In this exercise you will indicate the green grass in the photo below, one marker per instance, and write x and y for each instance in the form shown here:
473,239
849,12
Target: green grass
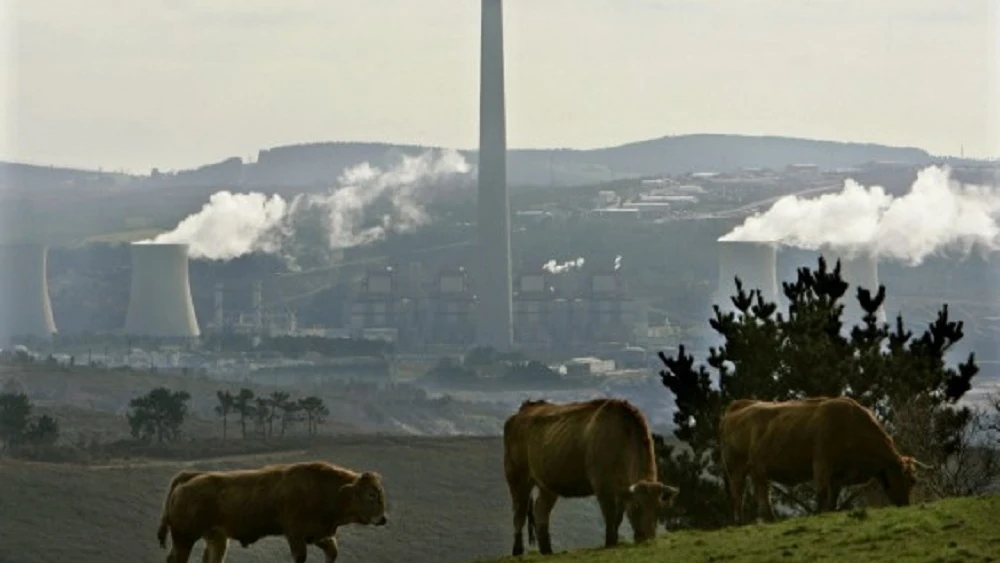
962,529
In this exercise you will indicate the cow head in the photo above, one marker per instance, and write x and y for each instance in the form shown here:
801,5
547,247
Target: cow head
365,499
899,478
644,502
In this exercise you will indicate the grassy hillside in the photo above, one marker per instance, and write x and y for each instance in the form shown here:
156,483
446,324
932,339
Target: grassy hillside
447,499
950,530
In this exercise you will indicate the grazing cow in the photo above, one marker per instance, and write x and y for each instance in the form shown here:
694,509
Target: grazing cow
832,442
305,502
601,447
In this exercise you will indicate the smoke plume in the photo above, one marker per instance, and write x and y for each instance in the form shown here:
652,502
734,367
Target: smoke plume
618,262
938,214
367,204
554,267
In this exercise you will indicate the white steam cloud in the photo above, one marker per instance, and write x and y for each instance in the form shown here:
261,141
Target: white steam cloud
937,214
554,267
367,204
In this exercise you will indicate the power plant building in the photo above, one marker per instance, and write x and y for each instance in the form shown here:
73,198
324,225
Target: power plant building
160,303
25,309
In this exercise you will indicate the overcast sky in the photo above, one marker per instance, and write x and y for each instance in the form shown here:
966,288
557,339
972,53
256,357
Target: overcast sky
177,83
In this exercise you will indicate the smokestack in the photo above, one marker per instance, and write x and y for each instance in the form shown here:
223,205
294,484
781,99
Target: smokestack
258,307
160,303
219,316
495,318
755,263
25,308
859,270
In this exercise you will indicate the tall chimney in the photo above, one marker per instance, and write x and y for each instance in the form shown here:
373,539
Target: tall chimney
495,318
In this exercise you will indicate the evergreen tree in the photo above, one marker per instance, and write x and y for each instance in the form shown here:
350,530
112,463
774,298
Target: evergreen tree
768,355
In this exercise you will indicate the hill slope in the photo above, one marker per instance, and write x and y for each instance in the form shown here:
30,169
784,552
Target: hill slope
950,530
447,500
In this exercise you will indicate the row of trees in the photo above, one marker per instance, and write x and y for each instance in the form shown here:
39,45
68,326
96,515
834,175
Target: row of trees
264,411
769,355
159,414
19,428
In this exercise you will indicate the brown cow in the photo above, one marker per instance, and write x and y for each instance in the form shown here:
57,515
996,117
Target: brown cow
305,502
832,442
601,447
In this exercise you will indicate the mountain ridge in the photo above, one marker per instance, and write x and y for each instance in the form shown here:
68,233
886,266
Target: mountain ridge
320,163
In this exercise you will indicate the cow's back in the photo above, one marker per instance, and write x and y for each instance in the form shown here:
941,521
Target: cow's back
568,448
779,438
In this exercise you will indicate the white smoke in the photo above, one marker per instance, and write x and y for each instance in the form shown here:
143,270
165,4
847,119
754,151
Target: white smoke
618,262
231,225
938,214
554,267
367,204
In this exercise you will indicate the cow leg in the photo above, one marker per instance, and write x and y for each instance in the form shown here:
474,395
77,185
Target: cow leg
329,547
823,484
544,504
520,497
737,490
180,547
613,510
762,490
298,546
216,545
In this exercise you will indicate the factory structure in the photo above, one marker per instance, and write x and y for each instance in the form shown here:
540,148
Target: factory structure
494,322
755,263
25,309
159,304
566,310
859,269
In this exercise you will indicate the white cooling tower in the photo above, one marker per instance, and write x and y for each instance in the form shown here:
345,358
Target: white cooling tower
24,292
858,270
755,263
160,303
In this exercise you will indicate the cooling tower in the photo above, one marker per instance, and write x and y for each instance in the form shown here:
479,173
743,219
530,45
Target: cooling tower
755,263
859,270
160,304
24,292
493,280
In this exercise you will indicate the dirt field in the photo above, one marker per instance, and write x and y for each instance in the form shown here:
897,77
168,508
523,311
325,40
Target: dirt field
447,503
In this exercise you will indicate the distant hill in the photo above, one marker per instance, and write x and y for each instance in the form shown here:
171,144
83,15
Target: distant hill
319,164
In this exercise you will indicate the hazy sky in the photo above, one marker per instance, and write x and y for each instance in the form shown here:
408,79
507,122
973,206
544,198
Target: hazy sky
177,83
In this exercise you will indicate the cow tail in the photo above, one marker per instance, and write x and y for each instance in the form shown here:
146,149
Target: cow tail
531,521
179,479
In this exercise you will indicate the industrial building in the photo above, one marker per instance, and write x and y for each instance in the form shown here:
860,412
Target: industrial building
754,262
25,309
453,306
160,303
